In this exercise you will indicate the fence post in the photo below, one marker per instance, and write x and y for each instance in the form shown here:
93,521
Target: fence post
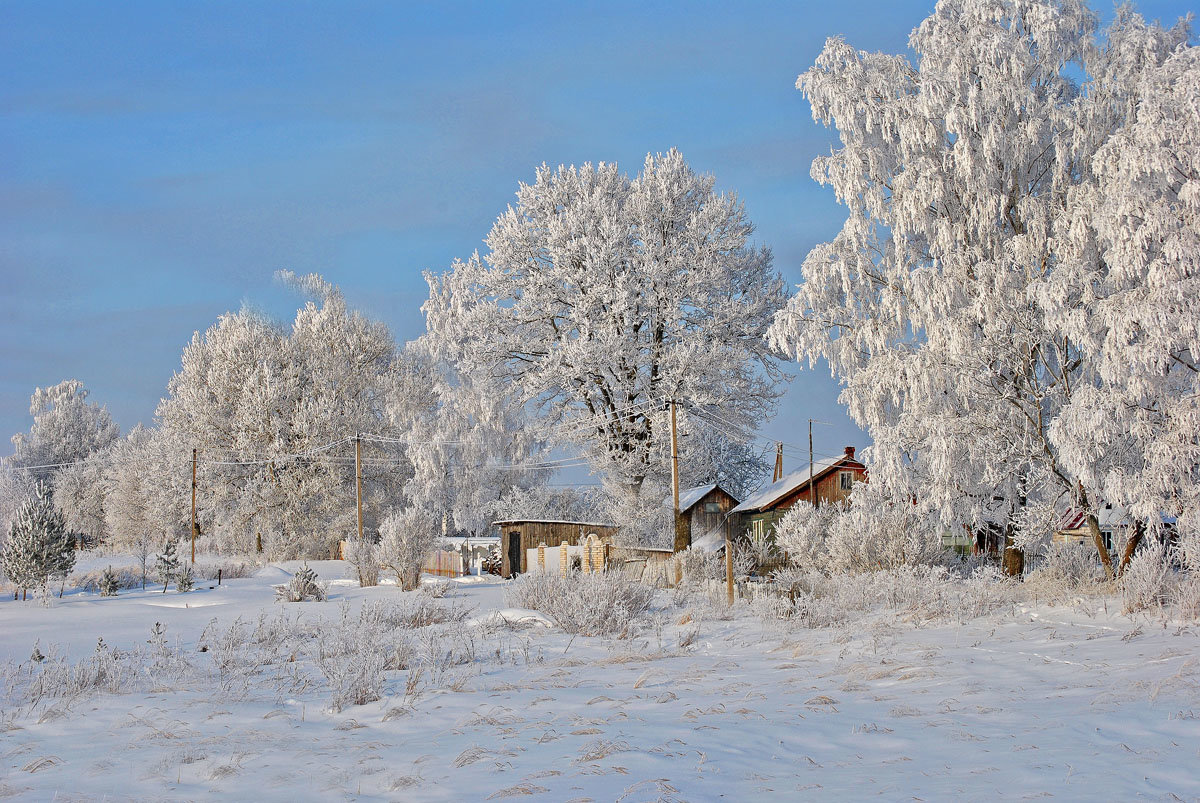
585,561
542,555
563,559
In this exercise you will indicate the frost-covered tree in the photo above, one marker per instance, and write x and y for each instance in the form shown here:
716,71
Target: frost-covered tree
1130,291
263,403
79,492
146,502
602,296
960,174
550,502
469,442
66,428
409,535
38,547
16,485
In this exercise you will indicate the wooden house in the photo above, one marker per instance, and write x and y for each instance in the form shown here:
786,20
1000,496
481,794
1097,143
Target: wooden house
708,517
1114,522
830,480
518,536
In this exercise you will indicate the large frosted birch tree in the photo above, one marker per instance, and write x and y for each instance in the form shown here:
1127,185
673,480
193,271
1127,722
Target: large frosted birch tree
935,304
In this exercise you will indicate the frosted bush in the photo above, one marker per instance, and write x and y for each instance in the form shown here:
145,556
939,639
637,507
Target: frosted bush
1187,589
1066,566
228,569
606,604
408,536
870,534
920,592
800,607
363,557
105,671
803,532
302,587
1146,583
695,565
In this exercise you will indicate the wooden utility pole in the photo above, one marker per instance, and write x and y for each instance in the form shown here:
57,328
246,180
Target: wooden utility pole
358,480
778,475
193,507
674,458
811,496
682,538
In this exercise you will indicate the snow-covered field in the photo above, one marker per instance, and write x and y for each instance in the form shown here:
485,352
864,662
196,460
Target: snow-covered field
1073,701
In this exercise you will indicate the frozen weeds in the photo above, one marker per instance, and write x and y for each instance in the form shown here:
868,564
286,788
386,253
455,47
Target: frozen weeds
699,703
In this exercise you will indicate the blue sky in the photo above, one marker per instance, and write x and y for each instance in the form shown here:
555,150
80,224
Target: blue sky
159,161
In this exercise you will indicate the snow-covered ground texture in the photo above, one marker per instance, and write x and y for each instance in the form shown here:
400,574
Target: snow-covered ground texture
966,691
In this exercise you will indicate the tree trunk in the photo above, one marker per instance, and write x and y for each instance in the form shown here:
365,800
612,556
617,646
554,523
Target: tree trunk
1135,540
1014,559
1093,524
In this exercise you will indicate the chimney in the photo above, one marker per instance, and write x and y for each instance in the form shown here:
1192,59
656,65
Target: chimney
850,452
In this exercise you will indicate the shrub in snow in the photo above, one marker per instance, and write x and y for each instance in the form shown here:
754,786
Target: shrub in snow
93,581
1146,582
606,604
695,566
166,564
229,569
1187,590
438,589
1066,567
303,587
408,536
868,534
183,580
38,547
363,556
918,592
803,532
109,584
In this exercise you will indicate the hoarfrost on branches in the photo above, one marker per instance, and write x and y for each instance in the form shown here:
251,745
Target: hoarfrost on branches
601,297
957,303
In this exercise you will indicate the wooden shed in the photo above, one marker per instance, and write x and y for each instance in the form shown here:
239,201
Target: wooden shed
707,515
518,536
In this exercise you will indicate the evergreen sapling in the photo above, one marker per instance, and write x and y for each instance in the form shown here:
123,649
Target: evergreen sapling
166,565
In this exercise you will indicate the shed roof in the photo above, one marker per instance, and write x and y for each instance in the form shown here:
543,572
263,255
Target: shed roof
778,490
553,521
690,497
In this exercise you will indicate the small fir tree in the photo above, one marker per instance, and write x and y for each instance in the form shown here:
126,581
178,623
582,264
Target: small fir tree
108,583
183,580
39,546
166,565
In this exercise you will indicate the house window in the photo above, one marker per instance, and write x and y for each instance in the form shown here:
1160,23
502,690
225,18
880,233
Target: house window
712,507
846,480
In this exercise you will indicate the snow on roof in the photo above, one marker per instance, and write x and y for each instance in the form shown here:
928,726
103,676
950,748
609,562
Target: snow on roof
688,497
1108,516
790,482
554,521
